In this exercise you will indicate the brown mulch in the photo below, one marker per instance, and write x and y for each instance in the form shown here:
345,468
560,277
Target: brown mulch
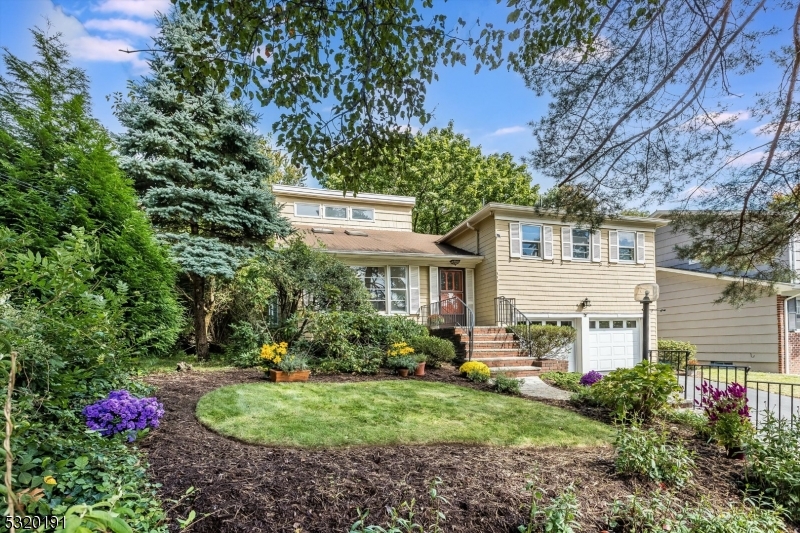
247,488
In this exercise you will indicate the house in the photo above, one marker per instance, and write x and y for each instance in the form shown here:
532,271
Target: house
548,271
764,335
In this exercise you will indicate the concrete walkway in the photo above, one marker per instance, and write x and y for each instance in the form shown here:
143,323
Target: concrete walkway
536,388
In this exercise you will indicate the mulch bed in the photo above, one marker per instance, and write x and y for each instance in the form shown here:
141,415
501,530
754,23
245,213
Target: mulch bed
247,488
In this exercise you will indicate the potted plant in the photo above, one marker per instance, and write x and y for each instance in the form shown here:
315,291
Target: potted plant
420,369
728,416
291,367
404,364
435,321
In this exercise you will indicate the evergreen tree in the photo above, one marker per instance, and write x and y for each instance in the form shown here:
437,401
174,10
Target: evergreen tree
57,170
196,160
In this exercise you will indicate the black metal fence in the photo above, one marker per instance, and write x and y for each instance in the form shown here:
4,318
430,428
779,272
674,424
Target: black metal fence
782,399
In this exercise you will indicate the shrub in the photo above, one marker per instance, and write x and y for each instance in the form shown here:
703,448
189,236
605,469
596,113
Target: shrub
568,381
506,385
358,360
437,351
590,378
243,346
673,345
475,371
773,463
557,517
662,511
728,414
123,413
646,452
637,392
544,341
293,362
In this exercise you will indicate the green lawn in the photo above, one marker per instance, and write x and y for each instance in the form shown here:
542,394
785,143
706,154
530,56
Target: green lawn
758,376
389,413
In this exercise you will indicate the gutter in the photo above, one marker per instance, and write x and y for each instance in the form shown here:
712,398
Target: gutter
464,257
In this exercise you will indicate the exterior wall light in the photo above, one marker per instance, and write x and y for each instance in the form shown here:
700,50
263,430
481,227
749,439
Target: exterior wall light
586,303
455,262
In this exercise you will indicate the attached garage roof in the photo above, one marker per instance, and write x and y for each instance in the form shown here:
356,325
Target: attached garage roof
366,240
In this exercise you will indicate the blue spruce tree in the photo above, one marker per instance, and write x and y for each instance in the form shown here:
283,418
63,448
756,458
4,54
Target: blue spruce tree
194,157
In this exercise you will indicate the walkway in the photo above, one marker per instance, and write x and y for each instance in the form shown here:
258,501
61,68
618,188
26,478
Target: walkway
536,388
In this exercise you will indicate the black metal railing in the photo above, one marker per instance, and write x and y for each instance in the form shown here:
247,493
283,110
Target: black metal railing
450,313
771,396
506,313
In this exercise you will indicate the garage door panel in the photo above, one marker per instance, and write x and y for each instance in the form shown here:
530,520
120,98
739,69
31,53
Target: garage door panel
611,348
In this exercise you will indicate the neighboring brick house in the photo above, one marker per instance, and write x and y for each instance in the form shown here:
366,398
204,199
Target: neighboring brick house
764,335
555,273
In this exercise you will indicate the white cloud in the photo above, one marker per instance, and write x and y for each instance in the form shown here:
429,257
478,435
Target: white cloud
695,192
132,27
135,8
707,121
770,128
508,131
84,46
746,159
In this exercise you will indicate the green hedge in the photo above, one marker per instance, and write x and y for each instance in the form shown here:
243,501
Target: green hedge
437,351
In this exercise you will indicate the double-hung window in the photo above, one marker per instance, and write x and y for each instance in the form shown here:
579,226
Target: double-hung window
581,243
386,294
791,314
531,240
627,246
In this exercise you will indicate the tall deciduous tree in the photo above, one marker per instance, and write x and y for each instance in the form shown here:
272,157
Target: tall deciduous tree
198,164
647,105
449,177
58,170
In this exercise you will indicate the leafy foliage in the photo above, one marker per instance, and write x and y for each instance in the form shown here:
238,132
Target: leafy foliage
404,519
568,381
450,178
195,159
506,385
728,414
773,464
648,453
637,392
436,351
58,170
545,341
559,516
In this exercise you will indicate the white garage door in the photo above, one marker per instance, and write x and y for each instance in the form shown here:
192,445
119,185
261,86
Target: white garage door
613,343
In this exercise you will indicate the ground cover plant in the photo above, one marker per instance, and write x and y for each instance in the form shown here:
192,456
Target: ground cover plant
649,453
389,413
568,381
506,385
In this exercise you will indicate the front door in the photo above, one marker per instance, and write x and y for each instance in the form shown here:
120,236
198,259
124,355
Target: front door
451,296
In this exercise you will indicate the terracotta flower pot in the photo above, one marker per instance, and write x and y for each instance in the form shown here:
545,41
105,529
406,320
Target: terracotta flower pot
403,372
420,370
288,377
736,453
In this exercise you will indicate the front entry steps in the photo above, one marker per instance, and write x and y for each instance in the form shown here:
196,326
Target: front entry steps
497,349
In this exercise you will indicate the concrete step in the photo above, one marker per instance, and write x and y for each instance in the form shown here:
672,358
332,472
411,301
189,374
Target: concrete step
493,362
516,371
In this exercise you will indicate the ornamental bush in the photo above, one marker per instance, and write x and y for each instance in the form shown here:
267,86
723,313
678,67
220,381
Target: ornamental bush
590,378
637,392
646,452
123,413
506,385
728,414
475,371
437,351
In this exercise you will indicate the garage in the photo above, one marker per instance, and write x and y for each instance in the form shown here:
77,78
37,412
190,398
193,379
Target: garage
613,343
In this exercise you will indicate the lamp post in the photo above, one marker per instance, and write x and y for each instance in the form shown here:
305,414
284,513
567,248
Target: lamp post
646,293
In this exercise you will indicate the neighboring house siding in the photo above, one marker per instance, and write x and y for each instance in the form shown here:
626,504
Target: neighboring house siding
747,336
482,241
666,241
387,216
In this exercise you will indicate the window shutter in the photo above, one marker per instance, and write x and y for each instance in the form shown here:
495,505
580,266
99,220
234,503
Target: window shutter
566,243
469,288
613,246
434,285
515,242
596,246
640,247
547,232
413,290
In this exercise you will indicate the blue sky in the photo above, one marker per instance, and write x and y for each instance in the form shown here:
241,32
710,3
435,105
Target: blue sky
492,108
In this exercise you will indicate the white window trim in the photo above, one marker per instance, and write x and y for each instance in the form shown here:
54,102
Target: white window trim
572,229
352,218
619,247
346,212
388,288
319,206
541,242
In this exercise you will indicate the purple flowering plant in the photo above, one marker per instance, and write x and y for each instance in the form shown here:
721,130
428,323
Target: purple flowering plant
590,378
123,413
728,413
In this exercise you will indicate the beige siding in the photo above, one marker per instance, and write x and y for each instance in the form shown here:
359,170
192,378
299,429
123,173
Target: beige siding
747,336
482,241
387,216
557,286
666,241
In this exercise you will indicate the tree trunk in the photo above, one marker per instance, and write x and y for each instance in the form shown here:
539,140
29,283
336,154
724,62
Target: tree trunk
199,311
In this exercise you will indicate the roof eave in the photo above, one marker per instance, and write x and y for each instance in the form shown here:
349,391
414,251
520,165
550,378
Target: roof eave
782,287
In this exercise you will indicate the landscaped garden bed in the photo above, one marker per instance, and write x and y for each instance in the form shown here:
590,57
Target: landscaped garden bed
244,487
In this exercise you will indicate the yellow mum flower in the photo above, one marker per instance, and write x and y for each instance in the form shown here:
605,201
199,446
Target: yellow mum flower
50,480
